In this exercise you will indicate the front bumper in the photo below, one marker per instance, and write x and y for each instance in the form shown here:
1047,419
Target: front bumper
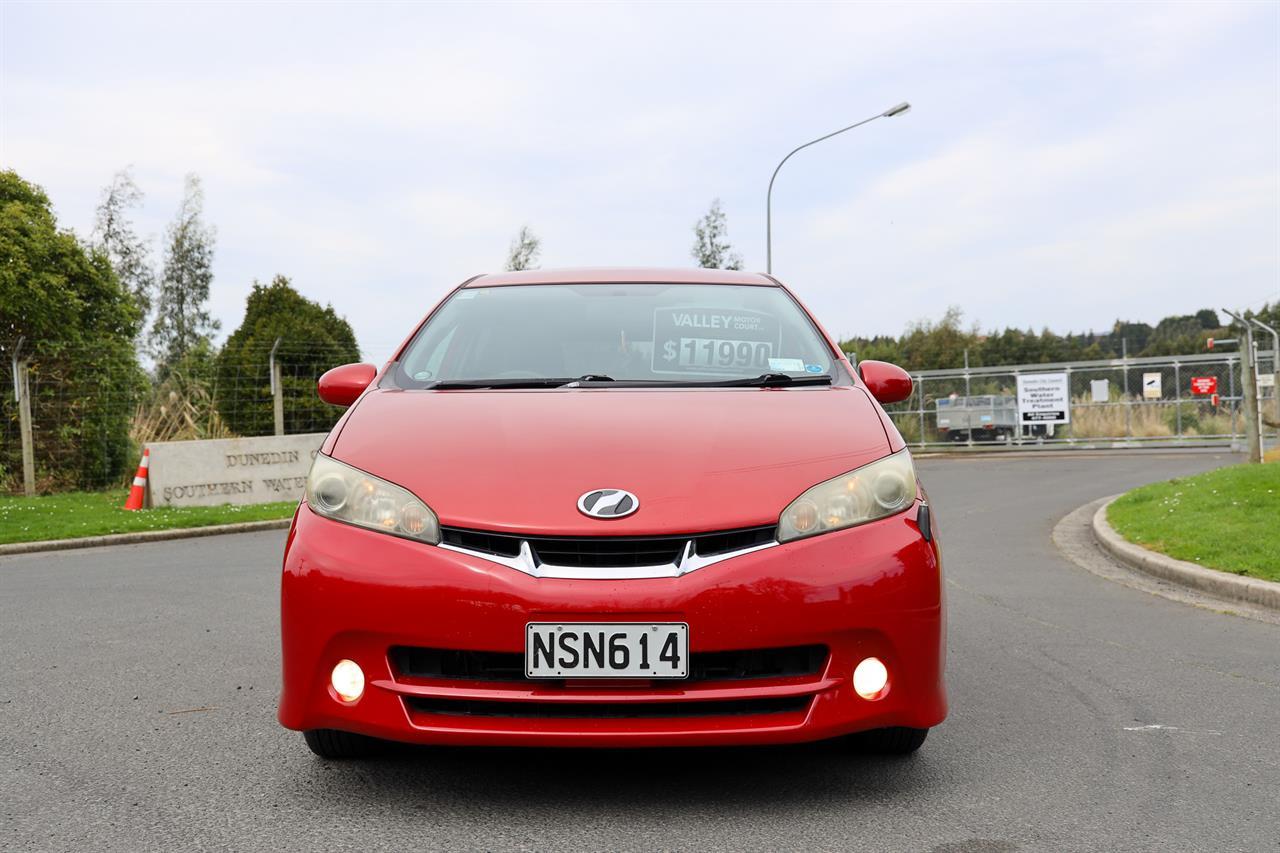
871,590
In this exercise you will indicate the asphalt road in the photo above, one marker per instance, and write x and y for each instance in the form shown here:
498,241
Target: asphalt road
138,684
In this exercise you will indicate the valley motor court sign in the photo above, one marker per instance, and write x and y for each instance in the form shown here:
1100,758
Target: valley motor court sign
230,470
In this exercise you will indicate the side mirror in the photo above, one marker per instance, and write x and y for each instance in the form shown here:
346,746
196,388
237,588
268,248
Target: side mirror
342,385
888,383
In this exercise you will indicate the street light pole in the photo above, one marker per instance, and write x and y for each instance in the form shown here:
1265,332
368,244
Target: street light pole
768,206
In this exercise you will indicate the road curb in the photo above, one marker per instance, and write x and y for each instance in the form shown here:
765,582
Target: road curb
141,536
1220,584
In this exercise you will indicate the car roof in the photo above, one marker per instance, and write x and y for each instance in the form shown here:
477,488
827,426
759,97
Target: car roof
623,275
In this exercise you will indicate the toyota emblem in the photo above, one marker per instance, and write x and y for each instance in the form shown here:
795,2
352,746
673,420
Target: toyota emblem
608,503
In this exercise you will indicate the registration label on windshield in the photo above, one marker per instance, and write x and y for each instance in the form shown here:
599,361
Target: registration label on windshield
713,340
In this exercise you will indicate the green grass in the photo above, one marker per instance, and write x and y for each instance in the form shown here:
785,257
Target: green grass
1228,519
76,514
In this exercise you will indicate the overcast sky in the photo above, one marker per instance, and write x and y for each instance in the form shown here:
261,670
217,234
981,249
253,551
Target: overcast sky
1064,165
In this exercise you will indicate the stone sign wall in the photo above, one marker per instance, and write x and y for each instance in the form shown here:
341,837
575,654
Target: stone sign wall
230,470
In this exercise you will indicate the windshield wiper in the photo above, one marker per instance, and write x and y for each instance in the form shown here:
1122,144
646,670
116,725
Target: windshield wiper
764,380
464,384
589,377
525,382
771,380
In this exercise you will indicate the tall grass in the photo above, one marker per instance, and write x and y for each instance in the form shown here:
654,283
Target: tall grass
1146,420
179,409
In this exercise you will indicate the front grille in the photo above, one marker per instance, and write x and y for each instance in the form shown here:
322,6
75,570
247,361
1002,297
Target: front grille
478,540
453,664
456,664
758,663
607,552
610,710
711,544
611,552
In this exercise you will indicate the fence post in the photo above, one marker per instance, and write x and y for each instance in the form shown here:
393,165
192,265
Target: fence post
920,385
1128,403
1017,409
1250,382
1071,439
1275,366
1177,396
1231,391
277,390
22,393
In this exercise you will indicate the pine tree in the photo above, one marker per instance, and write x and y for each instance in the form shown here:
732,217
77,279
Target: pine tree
524,251
113,234
182,319
711,247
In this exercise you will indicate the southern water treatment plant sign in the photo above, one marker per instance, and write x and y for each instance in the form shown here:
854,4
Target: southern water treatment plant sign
230,470
1044,398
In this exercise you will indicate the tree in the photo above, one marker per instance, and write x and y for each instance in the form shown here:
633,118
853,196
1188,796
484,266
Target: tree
524,251
1208,319
182,320
711,247
78,324
113,235
927,344
312,340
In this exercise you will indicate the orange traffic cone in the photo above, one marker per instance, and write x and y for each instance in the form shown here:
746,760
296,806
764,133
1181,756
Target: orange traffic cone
139,490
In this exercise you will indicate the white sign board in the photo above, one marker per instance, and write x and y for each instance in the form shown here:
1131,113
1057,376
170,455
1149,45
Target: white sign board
1266,380
1100,390
230,470
1151,386
1044,398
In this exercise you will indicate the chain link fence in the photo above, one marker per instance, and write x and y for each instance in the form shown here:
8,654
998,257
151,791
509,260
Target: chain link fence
1114,402
90,411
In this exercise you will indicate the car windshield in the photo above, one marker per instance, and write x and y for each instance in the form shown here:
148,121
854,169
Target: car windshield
646,333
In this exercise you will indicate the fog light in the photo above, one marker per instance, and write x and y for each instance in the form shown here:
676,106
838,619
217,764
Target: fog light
348,680
871,679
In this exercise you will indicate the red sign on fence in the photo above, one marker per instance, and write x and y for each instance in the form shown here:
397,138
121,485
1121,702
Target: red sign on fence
1204,385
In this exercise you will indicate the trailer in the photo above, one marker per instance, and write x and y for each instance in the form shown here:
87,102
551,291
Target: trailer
984,417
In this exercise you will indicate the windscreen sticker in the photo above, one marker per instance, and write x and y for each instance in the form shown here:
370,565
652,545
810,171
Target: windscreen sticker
689,339
813,368
787,365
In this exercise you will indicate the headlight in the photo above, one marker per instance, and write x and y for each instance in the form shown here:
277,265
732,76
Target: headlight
348,494
884,487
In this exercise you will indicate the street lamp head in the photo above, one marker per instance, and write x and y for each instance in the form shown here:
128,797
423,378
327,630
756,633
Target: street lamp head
896,111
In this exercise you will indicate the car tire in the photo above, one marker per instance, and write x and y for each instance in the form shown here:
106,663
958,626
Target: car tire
337,745
897,740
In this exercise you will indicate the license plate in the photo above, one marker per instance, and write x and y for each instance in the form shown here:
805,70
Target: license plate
606,650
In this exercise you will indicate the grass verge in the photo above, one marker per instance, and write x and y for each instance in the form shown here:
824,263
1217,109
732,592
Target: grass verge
76,514
1228,519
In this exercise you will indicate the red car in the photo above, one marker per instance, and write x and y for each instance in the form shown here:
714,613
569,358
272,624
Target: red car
614,508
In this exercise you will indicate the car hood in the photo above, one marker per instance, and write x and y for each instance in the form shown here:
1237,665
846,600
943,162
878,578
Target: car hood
697,459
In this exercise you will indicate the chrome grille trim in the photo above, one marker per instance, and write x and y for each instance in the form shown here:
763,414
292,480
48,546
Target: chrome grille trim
688,561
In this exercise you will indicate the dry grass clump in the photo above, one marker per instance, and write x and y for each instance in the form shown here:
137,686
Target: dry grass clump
1110,421
1147,420
179,409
